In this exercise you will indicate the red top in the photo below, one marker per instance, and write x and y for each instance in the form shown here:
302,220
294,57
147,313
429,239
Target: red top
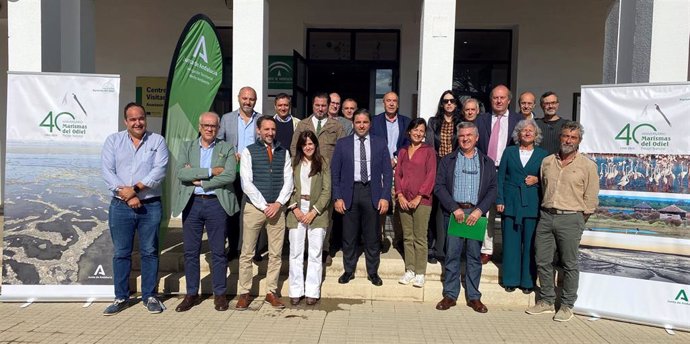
416,176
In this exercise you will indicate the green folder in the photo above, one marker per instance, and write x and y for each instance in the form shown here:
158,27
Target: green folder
463,230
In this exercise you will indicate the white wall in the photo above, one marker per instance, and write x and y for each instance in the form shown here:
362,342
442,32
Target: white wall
559,45
137,38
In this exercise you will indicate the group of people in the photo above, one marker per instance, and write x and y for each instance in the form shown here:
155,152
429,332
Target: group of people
330,179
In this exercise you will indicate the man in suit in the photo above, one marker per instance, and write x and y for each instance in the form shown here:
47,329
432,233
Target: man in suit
495,131
206,170
238,128
391,126
466,188
362,178
327,130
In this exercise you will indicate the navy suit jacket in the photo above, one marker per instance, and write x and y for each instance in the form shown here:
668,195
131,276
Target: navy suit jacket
483,123
378,128
343,170
445,176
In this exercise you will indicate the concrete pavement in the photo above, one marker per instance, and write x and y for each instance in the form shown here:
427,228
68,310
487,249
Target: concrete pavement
330,321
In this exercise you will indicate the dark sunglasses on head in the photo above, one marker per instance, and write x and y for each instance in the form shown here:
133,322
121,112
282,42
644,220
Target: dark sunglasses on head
449,101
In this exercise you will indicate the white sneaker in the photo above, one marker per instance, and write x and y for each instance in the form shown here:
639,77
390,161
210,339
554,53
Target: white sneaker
418,281
407,277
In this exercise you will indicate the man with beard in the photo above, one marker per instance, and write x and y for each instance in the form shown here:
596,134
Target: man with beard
571,188
551,124
238,128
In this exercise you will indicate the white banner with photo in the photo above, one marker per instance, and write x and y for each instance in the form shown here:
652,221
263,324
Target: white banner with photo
57,244
635,254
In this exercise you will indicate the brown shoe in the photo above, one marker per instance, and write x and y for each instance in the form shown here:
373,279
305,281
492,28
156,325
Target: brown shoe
446,303
187,303
312,301
485,258
220,302
274,301
477,305
295,301
242,302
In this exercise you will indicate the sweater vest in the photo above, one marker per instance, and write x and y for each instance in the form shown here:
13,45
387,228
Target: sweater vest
267,176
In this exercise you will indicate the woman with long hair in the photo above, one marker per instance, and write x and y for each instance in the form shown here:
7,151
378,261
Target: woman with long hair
308,216
441,135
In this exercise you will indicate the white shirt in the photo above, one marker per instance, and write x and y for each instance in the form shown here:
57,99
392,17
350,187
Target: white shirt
367,148
525,155
316,121
304,177
502,134
250,189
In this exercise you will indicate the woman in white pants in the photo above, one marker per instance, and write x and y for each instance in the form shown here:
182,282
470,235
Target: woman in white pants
308,216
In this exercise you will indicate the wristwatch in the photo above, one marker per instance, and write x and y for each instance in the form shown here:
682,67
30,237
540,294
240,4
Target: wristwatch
136,188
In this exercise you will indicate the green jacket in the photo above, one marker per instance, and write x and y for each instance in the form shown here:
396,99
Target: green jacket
320,197
223,155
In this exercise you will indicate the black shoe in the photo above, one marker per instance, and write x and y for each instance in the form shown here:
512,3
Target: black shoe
527,291
346,277
375,279
432,260
510,289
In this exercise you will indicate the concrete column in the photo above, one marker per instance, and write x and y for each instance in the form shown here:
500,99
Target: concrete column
51,36
437,43
250,49
647,41
670,41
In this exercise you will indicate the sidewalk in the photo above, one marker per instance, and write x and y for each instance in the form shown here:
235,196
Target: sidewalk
330,321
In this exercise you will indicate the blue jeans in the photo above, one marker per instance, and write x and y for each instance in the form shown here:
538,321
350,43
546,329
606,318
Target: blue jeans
473,271
123,222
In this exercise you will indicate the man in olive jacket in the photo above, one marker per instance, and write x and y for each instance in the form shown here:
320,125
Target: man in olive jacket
206,171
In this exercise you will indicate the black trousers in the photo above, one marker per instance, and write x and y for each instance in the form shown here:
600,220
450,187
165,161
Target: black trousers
362,219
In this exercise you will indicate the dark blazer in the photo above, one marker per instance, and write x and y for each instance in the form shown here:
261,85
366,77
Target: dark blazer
378,128
483,123
343,169
519,199
445,174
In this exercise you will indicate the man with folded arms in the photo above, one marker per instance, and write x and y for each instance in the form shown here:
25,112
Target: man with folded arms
466,188
206,170
571,194
266,173
133,166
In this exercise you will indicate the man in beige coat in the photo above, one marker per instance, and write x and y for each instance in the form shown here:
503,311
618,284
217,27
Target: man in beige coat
327,130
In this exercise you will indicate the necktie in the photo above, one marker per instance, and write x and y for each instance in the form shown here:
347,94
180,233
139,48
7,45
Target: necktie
318,126
363,161
270,153
493,140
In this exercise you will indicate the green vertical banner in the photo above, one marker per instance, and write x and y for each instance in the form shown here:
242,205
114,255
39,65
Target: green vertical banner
196,72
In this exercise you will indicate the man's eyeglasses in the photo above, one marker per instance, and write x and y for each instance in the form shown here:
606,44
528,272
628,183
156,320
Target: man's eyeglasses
209,126
449,101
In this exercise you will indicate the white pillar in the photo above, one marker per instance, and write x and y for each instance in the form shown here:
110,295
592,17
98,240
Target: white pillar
647,41
24,36
250,48
51,35
670,41
437,43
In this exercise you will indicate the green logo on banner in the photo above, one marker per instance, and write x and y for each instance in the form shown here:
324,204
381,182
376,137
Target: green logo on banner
682,296
280,72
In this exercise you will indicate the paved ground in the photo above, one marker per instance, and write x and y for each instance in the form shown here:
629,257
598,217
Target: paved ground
330,321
